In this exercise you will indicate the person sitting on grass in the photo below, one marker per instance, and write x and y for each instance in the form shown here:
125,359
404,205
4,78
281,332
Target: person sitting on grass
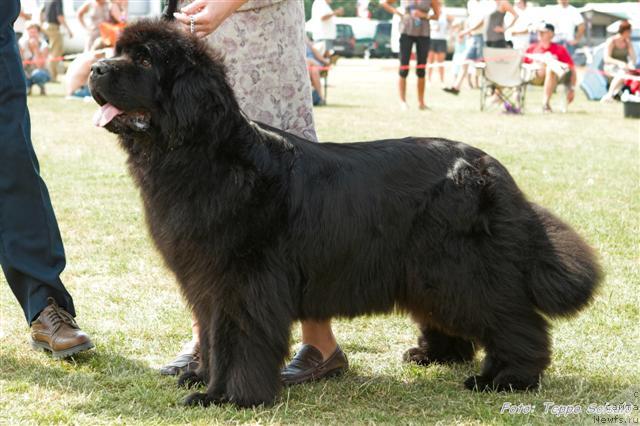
619,60
315,60
556,66
77,76
34,53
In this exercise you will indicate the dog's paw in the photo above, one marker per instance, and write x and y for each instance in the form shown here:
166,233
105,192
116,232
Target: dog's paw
479,383
197,399
203,400
513,383
190,379
502,383
417,355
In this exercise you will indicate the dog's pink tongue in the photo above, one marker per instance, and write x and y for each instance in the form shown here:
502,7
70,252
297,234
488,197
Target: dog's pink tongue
105,114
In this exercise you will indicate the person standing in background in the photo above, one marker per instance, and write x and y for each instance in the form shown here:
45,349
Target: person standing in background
98,11
28,10
120,9
52,19
324,25
493,24
459,48
438,45
477,9
519,33
494,29
414,29
568,23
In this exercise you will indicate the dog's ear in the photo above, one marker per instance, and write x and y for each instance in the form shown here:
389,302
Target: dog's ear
171,8
200,106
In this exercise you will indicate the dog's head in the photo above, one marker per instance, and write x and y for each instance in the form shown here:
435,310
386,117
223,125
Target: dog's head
161,82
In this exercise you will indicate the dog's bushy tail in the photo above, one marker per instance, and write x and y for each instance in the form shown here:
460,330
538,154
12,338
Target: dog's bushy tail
564,270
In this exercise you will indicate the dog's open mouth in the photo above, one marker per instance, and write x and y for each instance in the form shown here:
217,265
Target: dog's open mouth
107,113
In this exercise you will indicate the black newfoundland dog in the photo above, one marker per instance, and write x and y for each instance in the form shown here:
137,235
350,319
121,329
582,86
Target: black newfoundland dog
263,228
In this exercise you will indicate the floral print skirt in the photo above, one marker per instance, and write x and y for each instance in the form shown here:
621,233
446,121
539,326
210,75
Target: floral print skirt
264,52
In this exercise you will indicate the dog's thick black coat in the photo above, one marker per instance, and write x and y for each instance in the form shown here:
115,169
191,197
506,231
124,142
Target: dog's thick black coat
262,228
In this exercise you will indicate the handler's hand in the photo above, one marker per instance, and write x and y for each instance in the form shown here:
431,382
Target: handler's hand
207,15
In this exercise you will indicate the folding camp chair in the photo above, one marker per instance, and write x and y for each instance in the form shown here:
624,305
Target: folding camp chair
324,74
503,75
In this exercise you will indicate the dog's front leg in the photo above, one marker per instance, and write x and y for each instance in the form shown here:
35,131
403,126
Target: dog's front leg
200,375
249,340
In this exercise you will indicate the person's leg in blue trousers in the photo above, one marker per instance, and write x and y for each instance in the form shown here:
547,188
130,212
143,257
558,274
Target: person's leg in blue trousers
39,77
31,251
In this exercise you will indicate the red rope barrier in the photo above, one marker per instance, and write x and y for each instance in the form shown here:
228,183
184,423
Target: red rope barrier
56,59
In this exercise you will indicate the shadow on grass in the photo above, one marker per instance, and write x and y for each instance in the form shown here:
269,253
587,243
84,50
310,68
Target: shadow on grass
110,387
100,383
76,373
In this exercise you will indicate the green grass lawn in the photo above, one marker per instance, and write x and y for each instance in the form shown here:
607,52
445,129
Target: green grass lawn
583,165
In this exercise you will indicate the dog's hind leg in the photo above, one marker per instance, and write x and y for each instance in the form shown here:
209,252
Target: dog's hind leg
518,351
434,346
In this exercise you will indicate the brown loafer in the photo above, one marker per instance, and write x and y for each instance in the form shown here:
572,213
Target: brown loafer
56,331
187,359
308,366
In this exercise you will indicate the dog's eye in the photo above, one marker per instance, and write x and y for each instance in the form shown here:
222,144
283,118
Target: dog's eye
145,62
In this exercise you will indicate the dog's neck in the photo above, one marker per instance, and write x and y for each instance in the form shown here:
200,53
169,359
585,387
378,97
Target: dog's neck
244,145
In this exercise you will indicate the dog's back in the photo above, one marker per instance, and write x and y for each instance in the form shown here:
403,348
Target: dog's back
368,220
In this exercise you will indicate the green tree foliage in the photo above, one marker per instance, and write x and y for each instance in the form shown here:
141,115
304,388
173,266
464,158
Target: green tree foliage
307,9
349,6
377,12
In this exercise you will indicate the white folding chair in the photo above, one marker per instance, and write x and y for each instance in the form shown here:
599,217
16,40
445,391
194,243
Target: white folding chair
504,76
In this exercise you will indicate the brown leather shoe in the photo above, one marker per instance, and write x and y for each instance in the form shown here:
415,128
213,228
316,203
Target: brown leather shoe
308,366
56,331
188,359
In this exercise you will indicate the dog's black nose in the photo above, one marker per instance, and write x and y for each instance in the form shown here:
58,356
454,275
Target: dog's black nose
100,68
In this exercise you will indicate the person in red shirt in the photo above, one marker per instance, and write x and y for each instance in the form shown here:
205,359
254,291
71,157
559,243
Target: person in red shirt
556,66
